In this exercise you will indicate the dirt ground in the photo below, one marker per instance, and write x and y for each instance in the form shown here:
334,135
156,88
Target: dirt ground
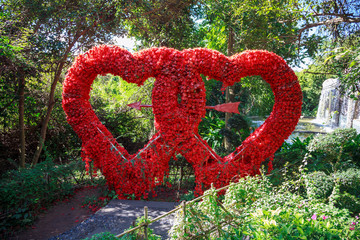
60,217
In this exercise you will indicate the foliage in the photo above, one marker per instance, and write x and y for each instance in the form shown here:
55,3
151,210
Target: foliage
169,24
311,86
324,152
46,34
329,149
238,125
16,64
25,192
103,236
254,208
318,185
238,130
265,25
338,58
109,98
134,235
232,26
209,130
336,19
342,61
140,233
261,99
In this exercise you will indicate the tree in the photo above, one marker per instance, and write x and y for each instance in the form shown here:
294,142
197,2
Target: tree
339,17
232,26
62,27
342,62
56,29
164,24
14,69
338,55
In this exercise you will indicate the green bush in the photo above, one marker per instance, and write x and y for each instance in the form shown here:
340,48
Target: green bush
342,188
349,202
288,159
24,192
103,236
318,185
331,149
349,181
254,208
209,129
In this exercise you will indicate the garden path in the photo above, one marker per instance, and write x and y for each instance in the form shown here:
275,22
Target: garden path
61,217
69,220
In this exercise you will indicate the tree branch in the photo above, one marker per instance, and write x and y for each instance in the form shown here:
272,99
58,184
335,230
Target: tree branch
318,73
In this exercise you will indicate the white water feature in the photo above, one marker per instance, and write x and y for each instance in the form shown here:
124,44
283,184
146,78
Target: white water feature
335,110
303,129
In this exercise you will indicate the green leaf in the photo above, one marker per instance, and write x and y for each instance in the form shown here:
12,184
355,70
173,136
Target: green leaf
352,64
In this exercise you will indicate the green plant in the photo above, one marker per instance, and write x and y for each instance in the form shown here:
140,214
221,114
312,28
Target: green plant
255,209
238,130
103,236
318,185
209,129
188,196
288,159
25,192
140,233
330,148
349,181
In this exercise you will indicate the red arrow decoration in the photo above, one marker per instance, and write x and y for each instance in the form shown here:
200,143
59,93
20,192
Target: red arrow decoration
226,107
137,105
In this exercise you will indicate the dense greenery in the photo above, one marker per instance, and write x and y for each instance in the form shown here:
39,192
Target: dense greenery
130,127
253,208
24,193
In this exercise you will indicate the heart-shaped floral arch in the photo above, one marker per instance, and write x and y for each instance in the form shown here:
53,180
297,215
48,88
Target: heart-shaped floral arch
177,73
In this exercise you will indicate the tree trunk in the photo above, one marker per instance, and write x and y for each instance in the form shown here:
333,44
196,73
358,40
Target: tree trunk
229,94
51,101
50,107
21,119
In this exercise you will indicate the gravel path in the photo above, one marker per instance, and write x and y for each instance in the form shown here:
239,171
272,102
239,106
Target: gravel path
119,215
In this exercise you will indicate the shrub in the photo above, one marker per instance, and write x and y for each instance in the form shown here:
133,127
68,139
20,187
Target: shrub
349,181
24,192
330,150
253,208
318,185
103,236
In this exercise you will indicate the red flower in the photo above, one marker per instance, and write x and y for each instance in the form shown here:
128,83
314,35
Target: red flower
177,73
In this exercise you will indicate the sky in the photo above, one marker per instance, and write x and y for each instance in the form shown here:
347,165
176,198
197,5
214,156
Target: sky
125,42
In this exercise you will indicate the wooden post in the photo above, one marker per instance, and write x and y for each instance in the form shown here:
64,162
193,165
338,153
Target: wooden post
183,205
146,219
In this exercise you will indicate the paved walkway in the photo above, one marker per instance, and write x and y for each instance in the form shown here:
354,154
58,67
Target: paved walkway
119,215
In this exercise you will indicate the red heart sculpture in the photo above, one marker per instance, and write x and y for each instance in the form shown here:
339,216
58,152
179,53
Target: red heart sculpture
178,73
